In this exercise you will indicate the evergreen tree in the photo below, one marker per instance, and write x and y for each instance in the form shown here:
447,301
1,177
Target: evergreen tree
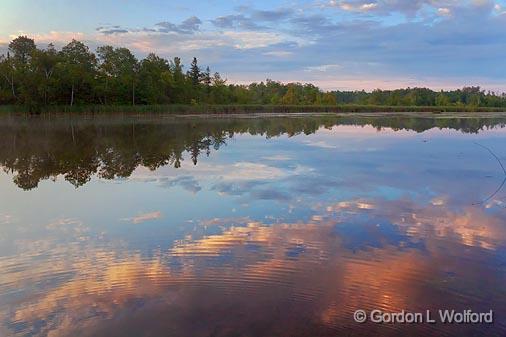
194,73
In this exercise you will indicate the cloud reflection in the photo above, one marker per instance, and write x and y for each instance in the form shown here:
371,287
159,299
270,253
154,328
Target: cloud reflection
304,270
144,217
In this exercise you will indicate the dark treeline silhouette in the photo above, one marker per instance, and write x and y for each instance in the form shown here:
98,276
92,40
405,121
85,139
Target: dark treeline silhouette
35,148
74,75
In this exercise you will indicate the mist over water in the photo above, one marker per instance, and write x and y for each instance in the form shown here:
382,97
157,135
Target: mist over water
279,226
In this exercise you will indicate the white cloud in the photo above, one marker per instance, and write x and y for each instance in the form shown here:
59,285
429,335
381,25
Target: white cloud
177,44
54,37
253,171
499,10
323,68
444,11
237,172
234,178
250,39
347,6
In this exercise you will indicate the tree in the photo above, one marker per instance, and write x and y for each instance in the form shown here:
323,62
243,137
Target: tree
22,49
156,79
290,97
77,67
181,88
219,90
7,70
15,67
206,79
329,99
106,71
194,73
44,62
119,71
442,99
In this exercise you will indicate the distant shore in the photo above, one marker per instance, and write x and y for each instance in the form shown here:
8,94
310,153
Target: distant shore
242,109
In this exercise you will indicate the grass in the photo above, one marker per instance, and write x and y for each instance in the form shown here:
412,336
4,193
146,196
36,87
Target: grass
238,109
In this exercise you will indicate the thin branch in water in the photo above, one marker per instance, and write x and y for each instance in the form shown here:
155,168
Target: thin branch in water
492,195
503,169
493,154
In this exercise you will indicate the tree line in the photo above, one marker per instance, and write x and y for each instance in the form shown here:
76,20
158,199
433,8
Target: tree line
74,75
467,96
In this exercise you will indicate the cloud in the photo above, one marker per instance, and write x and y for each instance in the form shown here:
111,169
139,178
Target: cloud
189,183
443,11
174,41
360,252
353,44
250,19
278,157
323,68
321,144
278,53
358,6
499,9
6,219
107,30
63,223
243,171
56,37
470,226
253,171
188,26
243,179
238,21
249,40
270,194
144,217
272,15
410,8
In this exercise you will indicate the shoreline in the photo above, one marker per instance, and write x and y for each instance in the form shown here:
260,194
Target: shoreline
236,110
161,117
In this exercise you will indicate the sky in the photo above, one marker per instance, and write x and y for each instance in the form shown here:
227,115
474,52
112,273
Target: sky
335,44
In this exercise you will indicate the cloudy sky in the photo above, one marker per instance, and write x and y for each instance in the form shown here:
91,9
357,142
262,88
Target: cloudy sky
336,44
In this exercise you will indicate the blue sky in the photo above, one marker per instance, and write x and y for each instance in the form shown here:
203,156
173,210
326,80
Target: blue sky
336,44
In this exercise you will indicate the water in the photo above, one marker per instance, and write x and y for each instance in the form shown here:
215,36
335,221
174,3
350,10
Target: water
282,226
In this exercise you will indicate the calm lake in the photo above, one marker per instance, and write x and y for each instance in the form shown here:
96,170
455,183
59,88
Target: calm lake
267,226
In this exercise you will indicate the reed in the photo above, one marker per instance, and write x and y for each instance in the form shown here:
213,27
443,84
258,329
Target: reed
181,109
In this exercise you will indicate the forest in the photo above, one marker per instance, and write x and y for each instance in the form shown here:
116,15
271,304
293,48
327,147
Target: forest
113,76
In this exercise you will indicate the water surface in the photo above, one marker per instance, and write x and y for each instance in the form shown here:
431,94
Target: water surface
283,226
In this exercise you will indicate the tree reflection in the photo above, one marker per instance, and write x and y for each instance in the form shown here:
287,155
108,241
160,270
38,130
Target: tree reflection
38,148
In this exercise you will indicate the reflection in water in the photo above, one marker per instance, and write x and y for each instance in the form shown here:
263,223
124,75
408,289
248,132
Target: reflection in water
324,224
37,149
260,277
